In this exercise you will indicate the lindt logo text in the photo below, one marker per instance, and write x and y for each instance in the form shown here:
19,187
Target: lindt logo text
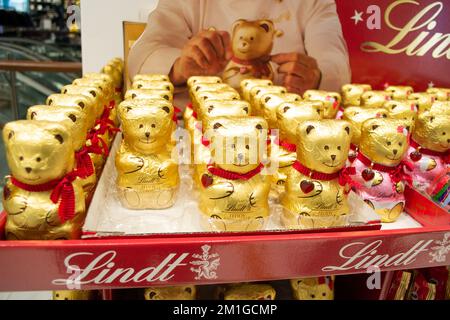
359,256
102,269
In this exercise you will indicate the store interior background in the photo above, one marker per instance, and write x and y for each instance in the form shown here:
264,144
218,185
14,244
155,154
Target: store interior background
36,30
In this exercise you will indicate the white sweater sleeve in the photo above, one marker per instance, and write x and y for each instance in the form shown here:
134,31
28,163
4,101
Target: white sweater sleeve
325,42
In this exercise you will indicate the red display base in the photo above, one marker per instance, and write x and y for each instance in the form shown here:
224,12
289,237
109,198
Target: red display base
223,258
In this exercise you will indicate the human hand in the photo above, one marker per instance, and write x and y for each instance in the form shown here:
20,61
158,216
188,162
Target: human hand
301,72
207,53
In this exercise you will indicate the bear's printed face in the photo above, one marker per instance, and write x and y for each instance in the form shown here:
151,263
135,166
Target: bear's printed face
323,145
38,151
330,100
356,116
72,118
238,144
170,293
384,141
291,115
403,110
433,131
252,39
148,128
351,93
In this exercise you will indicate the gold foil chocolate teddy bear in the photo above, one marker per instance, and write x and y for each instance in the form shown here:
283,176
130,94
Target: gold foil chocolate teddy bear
356,116
75,121
75,295
270,102
429,153
331,101
147,174
248,84
289,117
234,194
257,92
351,94
252,43
316,185
399,92
43,198
78,101
171,293
380,166
424,100
375,99
405,110
441,94
247,291
320,288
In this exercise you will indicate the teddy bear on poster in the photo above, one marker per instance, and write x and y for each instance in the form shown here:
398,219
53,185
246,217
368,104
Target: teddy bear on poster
147,174
380,166
252,43
429,151
43,199
234,193
317,184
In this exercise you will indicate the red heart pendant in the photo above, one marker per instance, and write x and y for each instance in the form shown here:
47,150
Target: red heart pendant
207,180
415,156
368,174
352,157
306,186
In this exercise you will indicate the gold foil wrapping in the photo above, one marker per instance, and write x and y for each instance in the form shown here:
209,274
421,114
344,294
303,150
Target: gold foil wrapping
320,288
375,99
351,94
331,101
432,131
441,94
357,115
77,101
322,146
247,291
238,146
270,102
147,174
39,152
257,92
400,92
171,293
248,84
75,295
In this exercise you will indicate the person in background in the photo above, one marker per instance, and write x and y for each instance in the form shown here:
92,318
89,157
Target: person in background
192,37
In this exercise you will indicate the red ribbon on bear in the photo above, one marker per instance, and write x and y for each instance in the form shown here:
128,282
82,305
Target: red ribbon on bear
290,147
260,66
63,193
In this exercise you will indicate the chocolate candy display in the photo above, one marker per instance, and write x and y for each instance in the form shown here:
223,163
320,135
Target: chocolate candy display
320,288
317,184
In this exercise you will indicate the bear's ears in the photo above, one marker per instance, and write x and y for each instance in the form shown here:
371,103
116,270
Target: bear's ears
309,126
266,25
58,131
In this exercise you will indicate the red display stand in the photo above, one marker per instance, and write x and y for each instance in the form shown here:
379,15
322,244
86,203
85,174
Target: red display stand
224,258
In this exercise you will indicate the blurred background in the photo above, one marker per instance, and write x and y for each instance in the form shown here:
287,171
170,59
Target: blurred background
39,53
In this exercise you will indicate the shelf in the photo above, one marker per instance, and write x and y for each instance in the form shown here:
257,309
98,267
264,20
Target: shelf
226,258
